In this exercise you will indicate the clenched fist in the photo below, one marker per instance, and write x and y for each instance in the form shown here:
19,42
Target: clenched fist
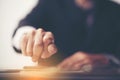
38,44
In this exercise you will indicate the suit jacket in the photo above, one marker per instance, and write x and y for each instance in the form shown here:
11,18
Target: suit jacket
65,20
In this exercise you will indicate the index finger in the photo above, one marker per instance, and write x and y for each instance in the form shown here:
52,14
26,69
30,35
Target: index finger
38,45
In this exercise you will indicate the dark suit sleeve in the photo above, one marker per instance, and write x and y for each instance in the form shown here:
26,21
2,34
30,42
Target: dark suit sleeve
37,17
116,27
118,45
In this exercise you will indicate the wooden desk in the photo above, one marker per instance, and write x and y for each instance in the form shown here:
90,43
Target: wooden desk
60,75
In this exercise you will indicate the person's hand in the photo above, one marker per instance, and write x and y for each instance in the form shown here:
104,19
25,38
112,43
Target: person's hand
38,44
78,60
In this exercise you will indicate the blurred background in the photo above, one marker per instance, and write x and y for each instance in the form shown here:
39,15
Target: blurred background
11,12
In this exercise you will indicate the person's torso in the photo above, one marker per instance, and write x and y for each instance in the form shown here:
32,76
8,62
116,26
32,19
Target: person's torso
65,20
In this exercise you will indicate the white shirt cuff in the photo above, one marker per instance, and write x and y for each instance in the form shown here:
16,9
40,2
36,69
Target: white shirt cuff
112,59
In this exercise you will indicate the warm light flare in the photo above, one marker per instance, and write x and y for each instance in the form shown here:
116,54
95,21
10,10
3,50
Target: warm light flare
39,73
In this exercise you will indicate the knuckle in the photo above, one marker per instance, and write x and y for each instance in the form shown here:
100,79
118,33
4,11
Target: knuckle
39,34
49,33
46,40
40,30
48,37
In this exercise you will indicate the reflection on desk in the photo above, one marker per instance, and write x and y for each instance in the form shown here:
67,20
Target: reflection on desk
52,73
